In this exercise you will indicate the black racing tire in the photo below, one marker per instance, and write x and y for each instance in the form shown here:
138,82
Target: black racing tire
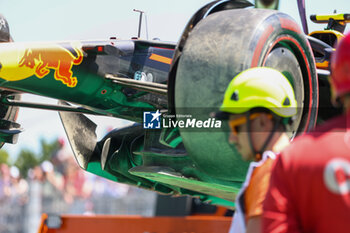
217,49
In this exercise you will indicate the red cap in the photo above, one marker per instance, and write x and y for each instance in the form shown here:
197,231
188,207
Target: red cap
340,66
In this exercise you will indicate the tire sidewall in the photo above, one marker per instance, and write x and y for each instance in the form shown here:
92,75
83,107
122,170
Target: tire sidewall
280,28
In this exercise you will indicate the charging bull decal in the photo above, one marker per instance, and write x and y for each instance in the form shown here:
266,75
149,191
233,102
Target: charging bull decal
26,60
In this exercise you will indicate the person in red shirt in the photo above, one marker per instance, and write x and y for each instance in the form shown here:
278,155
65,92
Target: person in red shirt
310,182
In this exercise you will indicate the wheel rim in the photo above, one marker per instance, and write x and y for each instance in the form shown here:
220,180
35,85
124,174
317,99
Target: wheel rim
284,60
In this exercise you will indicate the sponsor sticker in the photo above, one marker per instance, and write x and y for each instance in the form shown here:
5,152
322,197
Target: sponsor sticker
23,60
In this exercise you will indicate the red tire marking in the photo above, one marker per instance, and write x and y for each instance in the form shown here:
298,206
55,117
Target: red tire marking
260,46
289,25
292,26
314,61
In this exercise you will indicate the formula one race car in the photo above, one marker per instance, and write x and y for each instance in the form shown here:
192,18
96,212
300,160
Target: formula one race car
170,90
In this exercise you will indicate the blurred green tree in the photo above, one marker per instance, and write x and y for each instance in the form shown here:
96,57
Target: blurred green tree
28,159
4,156
48,149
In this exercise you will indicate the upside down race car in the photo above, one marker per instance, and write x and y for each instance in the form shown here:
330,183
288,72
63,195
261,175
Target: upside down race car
169,90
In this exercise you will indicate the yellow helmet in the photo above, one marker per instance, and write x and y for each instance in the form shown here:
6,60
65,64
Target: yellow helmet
260,87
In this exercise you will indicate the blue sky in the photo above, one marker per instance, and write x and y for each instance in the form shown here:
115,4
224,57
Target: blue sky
43,20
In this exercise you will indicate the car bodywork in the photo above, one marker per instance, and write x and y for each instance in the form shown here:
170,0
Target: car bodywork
126,78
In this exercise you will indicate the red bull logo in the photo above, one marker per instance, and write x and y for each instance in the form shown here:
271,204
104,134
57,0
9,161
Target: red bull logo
42,59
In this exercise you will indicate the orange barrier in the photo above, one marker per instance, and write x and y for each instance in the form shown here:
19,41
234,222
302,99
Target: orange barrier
138,224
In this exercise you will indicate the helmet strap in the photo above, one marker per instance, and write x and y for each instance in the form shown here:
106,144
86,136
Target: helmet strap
258,153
